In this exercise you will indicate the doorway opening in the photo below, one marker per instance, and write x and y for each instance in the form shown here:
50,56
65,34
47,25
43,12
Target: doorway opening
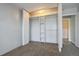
68,29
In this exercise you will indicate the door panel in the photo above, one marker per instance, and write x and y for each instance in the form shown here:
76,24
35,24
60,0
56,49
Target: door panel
35,29
51,29
44,29
51,22
51,36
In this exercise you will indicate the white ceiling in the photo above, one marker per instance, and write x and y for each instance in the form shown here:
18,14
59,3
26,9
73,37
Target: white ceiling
35,6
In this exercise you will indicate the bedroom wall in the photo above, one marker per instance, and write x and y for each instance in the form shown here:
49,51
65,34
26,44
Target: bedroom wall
10,28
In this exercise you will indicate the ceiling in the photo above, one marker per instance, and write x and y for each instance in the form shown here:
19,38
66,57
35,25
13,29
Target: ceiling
35,6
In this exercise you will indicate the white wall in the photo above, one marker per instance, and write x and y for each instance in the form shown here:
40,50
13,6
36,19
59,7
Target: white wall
10,28
69,11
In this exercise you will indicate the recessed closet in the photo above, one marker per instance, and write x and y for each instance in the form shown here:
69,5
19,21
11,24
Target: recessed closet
43,28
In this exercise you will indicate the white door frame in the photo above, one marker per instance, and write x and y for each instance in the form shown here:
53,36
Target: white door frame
60,31
25,29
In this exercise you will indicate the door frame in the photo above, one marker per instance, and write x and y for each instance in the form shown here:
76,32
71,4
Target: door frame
69,38
23,27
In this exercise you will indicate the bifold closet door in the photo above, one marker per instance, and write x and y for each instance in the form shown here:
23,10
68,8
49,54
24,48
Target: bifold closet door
35,29
51,29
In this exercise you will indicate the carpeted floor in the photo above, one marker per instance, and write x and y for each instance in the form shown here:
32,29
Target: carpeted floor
41,49
35,49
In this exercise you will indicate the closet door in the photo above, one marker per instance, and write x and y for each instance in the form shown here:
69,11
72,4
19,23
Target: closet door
35,29
51,29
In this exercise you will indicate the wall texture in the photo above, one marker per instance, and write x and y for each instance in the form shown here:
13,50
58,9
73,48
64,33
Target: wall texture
10,28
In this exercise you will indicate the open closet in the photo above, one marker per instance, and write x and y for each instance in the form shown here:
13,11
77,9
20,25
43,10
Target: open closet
44,28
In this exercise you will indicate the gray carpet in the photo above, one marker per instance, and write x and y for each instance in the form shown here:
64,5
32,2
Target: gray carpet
35,49
41,49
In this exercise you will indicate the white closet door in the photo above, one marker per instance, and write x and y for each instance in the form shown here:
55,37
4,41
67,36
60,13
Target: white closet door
51,29
35,29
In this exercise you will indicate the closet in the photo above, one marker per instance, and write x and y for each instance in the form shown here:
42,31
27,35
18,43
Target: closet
43,29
